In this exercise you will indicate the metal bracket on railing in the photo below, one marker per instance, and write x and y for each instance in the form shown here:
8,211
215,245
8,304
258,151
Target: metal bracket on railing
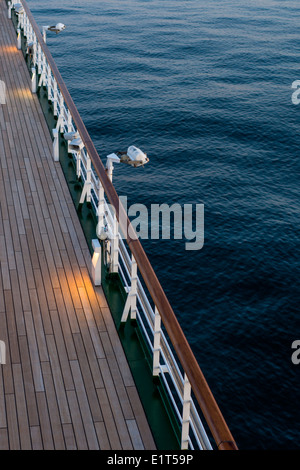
130,304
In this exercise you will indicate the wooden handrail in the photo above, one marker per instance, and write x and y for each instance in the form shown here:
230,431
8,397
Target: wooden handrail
202,392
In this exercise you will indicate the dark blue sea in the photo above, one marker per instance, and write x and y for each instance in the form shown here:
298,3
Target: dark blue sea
204,88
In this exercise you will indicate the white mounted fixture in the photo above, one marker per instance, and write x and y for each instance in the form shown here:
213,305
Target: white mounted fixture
134,157
56,29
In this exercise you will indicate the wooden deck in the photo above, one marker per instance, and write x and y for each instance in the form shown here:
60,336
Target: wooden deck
66,383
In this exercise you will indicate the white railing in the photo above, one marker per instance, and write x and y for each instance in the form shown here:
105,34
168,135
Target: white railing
116,254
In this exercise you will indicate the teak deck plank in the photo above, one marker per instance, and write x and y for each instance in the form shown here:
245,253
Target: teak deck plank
66,383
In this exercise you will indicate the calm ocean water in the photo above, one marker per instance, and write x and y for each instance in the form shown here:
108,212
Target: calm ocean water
205,89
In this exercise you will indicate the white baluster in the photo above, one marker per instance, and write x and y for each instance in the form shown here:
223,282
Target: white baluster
33,80
49,84
186,413
86,191
114,266
39,61
156,343
69,121
78,164
55,145
19,44
100,211
34,55
55,98
96,263
130,304
9,10
44,70
61,117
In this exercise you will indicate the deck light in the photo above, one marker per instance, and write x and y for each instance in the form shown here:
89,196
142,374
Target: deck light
75,142
76,145
103,233
56,28
71,135
134,157
18,8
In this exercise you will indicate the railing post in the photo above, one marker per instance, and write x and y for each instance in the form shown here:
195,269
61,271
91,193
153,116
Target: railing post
33,80
110,168
44,70
114,265
96,263
86,191
55,145
34,54
55,98
156,343
39,60
22,20
20,23
130,304
61,118
19,44
78,164
100,209
25,26
186,413
44,35
69,121
49,84
30,33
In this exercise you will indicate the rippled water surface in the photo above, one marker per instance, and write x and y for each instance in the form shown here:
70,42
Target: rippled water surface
205,89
